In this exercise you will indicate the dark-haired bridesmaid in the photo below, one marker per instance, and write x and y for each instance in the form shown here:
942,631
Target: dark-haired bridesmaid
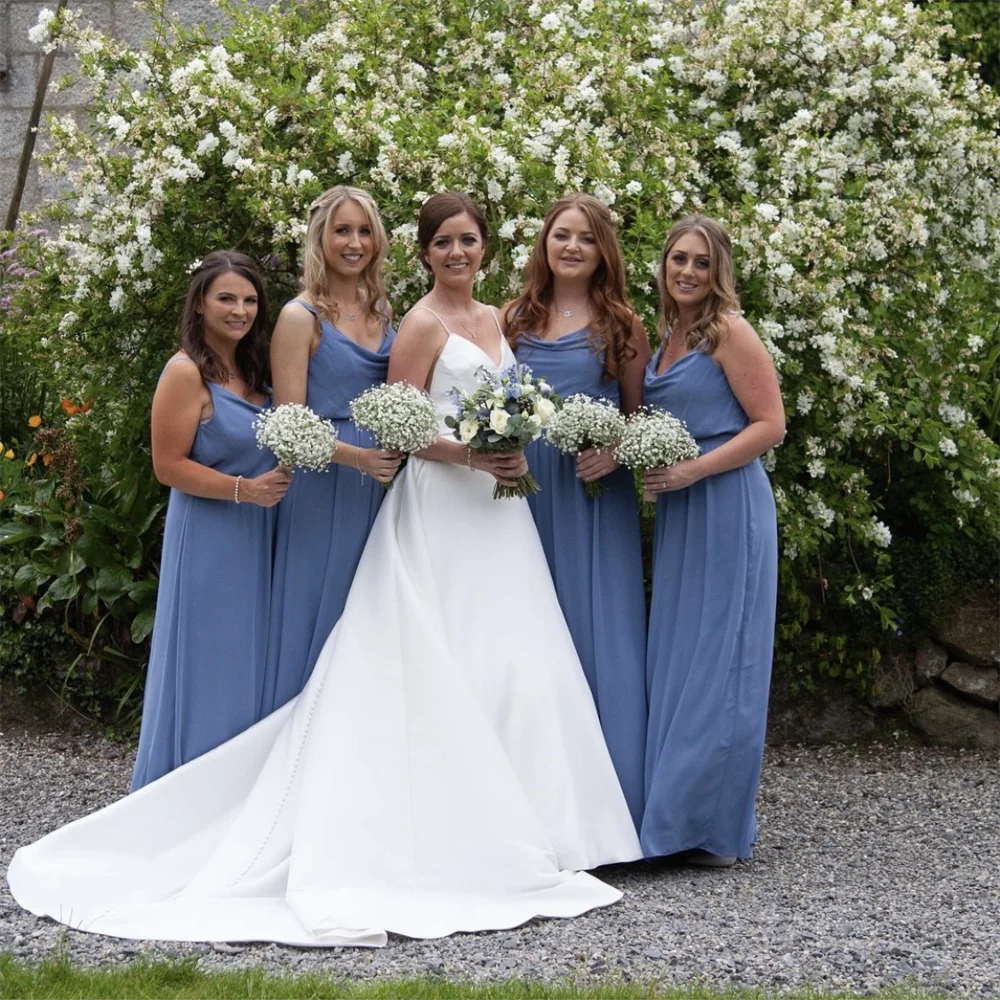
206,665
573,324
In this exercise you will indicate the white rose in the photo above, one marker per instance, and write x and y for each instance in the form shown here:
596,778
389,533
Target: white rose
467,430
545,409
535,420
498,420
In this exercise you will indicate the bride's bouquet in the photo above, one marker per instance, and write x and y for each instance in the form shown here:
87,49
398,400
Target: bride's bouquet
506,413
654,438
400,416
299,437
586,422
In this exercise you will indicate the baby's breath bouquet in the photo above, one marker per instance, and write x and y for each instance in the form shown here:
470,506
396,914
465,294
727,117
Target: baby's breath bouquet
299,437
506,413
654,438
400,416
586,422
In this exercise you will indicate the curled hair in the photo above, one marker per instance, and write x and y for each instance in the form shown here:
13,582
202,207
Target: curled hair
441,207
709,327
611,327
315,281
251,351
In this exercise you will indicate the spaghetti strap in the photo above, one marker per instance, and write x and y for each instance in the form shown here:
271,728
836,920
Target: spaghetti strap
178,357
493,313
434,314
305,305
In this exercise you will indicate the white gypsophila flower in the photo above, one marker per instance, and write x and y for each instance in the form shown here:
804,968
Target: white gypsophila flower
653,439
298,436
400,416
948,447
585,422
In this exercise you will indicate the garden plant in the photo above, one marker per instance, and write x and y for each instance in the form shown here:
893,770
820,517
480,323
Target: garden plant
858,171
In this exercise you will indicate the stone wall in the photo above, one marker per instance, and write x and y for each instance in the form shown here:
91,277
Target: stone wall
20,62
946,691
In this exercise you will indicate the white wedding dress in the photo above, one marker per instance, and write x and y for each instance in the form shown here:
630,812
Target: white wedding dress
443,770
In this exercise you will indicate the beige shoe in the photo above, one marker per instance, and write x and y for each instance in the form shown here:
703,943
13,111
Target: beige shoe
705,860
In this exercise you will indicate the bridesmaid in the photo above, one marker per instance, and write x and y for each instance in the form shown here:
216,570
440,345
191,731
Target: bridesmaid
573,324
206,665
329,345
715,563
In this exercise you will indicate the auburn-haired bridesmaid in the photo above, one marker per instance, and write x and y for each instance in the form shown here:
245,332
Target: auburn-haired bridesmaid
206,666
715,561
329,345
573,324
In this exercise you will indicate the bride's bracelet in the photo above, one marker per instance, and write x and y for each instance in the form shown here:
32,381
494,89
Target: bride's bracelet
468,458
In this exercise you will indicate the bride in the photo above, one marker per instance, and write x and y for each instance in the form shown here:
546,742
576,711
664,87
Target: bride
443,769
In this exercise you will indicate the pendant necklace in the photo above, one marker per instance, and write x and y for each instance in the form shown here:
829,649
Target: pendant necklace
568,312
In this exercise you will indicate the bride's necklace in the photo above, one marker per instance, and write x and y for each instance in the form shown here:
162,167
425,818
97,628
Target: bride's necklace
464,323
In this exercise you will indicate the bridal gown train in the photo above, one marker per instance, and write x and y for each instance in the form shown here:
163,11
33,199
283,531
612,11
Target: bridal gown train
443,770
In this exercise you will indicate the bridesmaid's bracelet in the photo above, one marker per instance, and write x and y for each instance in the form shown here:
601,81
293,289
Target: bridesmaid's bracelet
236,489
357,461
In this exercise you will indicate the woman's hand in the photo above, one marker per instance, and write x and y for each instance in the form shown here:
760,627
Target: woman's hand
506,467
268,489
594,464
379,463
672,477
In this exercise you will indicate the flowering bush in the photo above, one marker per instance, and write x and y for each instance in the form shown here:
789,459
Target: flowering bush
858,172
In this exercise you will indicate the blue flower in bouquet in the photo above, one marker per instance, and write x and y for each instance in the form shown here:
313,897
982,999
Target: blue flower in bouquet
506,412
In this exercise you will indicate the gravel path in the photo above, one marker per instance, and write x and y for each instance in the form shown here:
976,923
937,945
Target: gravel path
873,868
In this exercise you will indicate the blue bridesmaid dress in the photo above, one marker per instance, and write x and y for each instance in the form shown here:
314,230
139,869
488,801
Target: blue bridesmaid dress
206,664
711,630
593,550
323,521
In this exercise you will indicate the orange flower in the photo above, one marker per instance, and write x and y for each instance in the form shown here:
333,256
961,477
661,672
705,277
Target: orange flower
86,406
70,408
46,460
34,421
34,458
9,453
1,494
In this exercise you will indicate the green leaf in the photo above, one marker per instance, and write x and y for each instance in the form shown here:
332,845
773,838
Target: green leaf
27,580
63,588
142,625
144,592
11,533
113,582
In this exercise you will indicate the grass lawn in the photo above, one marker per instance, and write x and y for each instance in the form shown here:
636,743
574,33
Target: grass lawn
55,978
